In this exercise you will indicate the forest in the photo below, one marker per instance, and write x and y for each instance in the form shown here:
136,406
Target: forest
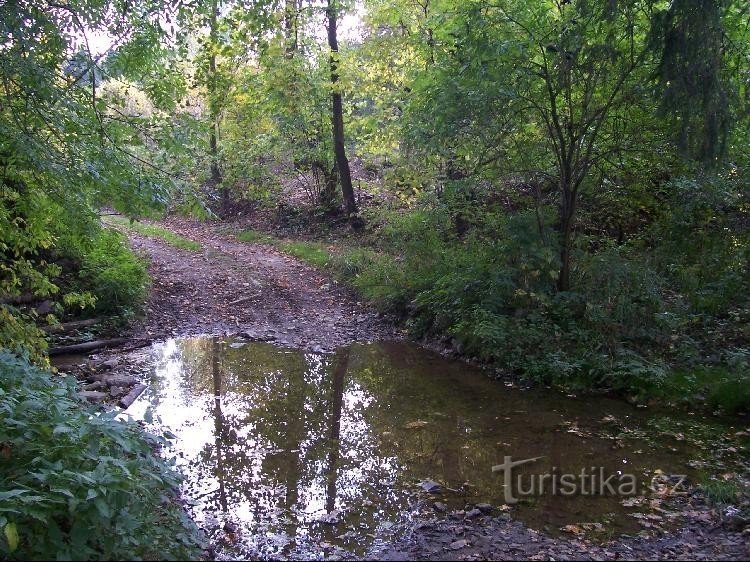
554,193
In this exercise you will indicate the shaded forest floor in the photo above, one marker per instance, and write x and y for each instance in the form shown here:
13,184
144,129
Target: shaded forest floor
252,289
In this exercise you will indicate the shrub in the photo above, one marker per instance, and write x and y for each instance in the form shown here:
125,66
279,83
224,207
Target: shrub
79,484
114,274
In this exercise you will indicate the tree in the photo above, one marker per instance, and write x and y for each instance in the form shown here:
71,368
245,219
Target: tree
213,104
337,114
554,90
67,146
697,43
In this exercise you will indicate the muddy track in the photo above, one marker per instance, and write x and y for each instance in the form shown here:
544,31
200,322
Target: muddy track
238,287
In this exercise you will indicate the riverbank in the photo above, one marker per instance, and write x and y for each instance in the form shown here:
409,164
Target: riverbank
298,307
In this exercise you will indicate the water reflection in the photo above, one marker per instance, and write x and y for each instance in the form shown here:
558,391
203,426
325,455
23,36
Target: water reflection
295,454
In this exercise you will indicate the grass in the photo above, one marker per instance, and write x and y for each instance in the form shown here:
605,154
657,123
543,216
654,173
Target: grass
311,252
155,231
314,253
255,237
716,386
720,492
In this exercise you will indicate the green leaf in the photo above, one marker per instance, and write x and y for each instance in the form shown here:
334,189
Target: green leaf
102,507
11,494
11,535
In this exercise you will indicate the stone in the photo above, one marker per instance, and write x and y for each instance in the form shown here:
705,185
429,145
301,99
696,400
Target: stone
92,395
117,391
109,364
119,380
96,385
472,513
458,545
430,486
440,506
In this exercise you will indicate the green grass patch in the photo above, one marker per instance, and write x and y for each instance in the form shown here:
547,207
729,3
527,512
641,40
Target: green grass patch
255,237
718,387
314,253
155,231
720,492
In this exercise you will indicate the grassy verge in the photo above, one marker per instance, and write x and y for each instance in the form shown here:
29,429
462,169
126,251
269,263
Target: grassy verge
314,253
155,231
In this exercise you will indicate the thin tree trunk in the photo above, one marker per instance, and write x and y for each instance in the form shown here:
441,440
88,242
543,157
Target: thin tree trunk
214,113
342,162
290,28
567,216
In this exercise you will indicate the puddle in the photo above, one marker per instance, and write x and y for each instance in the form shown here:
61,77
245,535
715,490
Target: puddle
306,455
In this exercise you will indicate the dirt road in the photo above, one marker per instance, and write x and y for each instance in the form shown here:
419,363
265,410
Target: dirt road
238,287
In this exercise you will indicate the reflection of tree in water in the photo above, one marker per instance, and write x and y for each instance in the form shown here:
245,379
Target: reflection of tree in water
285,437
334,436
276,419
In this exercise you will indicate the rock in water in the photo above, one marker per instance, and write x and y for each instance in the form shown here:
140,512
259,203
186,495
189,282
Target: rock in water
430,486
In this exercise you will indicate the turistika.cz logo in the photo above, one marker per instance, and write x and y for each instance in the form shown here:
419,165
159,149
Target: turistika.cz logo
591,481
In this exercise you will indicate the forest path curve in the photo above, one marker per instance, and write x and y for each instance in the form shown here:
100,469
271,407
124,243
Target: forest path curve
253,289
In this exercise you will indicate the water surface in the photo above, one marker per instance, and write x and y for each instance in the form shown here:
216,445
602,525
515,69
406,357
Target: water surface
304,455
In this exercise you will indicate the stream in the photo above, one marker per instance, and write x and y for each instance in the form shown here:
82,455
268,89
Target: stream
307,455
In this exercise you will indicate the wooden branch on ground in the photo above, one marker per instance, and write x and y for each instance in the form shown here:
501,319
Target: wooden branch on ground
131,396
70,326
87,346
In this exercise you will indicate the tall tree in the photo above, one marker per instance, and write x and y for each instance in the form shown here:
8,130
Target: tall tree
337,115
213,105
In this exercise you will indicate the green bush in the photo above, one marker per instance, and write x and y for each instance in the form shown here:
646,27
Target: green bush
493,291
114,274
77,484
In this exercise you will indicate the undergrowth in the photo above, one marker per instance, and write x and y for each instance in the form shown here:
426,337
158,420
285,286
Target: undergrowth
78,484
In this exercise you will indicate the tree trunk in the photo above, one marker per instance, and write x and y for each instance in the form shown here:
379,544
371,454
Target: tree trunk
213,140
342,163
567,216
86,346
290,28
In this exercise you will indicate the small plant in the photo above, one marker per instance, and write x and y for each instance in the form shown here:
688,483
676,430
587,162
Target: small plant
720,492
78,484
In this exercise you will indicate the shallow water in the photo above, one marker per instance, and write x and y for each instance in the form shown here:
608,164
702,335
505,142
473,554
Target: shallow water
296,454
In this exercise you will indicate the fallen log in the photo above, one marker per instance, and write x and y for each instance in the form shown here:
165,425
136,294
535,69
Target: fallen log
70,326
131,396
87,346
20,299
